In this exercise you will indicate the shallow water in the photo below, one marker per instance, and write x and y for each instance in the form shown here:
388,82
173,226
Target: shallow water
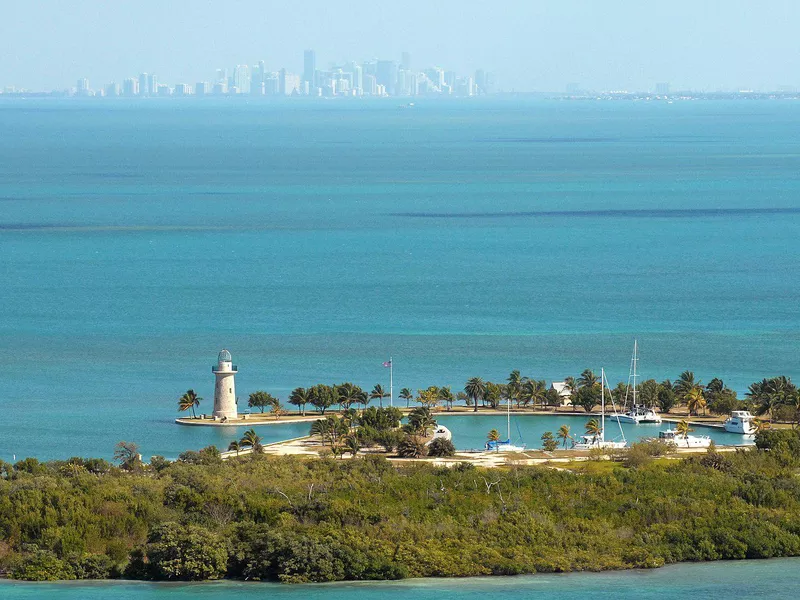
774,579
314,240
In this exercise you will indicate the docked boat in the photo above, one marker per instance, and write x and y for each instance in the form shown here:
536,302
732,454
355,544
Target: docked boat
441,432
741,421
638,413
598,440
505,446
684,440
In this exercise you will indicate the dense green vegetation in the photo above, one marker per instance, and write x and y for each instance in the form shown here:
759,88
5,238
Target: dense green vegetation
293,519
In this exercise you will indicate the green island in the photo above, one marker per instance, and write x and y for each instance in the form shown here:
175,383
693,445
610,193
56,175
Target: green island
295,519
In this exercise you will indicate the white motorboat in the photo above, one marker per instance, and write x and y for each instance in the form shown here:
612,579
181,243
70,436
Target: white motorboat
684,440
741,421
638,413
591,441
441,432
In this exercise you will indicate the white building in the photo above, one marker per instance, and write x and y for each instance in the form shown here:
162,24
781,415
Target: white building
225,388
563,392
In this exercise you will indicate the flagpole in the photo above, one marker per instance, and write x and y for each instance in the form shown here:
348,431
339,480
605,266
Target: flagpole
391,381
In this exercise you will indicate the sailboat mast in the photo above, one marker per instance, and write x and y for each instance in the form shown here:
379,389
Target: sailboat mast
602,404
508,418
635,360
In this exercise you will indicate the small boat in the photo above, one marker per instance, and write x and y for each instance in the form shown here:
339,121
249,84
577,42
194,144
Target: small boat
591,441
740,421
638,413
441,432
505,446
684,440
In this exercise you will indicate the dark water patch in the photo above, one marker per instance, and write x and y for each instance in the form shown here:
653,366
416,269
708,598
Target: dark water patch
643,213
551,140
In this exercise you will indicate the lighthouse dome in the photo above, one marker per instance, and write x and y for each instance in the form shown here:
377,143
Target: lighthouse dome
224,356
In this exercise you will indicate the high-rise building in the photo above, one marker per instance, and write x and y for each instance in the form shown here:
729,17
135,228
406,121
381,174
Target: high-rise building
358,80
257,80
183,89
220,88
202,88
405,62
310,67
386,75
112,89
241,79
152,84
222,76
144,85
662,89
82,87
130,87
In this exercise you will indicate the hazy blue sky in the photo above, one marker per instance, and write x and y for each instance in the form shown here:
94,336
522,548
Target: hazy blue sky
529,44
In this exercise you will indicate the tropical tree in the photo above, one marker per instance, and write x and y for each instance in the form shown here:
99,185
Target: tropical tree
514,386
682,428
428,397
323,397
441,447
277,409
534,391
462,397
593,427
261,400
494,394
475,389
378,393
695,400
407,395
587,397
667,398
648,392
351,445
331,431
587,379
493,435
300,397
420,421
446,395
411,446
234,446
350,394
127,453
549,443
563,434
684,384
252,439
188,401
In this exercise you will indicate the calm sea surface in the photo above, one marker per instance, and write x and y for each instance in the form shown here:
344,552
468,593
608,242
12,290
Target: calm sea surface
774,579
316,239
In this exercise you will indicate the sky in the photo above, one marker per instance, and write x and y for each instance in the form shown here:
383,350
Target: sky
530,45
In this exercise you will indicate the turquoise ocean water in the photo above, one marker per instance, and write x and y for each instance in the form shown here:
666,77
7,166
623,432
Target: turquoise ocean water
773,579
316,239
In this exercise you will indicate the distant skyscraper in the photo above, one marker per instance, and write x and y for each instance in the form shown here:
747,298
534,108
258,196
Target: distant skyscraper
310,67
152,84
257,81
241,78
386,75
202,88
222,76
358,80
130,87
112,89
144,85
82,87
662,89
405,61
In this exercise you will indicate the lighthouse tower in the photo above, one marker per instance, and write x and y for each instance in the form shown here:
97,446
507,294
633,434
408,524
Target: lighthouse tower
225,389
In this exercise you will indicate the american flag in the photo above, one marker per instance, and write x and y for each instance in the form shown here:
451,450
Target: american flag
388,363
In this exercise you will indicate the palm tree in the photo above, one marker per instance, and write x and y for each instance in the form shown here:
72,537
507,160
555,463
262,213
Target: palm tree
420,420
378,393
234,446
514,387
461,397
252,439
350,394
685,383
351,445
493,435
587,379
407,395
446,396
593,427
187,401
695,400
563,434
300,397
411,447
475,389
682,428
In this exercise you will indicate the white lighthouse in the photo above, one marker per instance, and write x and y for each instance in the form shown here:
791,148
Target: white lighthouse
225,388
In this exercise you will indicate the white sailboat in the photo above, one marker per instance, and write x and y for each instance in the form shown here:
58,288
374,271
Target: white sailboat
505,446
637,413
589,442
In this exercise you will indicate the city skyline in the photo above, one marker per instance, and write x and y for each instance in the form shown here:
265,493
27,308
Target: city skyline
540,45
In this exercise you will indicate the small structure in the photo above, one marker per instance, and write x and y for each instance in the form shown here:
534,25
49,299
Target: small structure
225,388
562,389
